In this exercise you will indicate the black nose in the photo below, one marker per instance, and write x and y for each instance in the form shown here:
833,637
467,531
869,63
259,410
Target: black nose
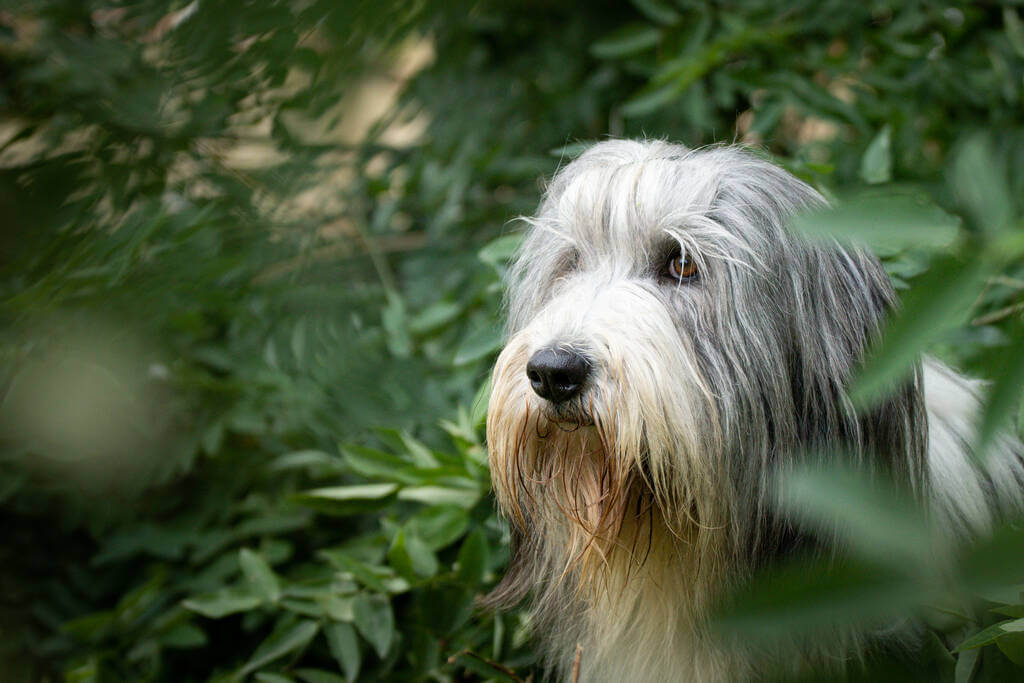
557,374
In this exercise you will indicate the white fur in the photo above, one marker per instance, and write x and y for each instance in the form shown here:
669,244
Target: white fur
643,501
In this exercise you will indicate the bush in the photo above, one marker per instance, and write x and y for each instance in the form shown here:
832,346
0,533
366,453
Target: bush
246,350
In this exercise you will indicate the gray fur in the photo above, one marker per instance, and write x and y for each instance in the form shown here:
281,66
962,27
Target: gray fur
703,391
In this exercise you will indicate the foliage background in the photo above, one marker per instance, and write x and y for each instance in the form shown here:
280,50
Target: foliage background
248,317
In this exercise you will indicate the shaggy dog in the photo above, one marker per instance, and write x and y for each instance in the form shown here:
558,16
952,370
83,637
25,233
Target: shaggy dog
671,346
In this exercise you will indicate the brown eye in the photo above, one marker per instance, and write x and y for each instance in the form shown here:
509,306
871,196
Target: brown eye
681,267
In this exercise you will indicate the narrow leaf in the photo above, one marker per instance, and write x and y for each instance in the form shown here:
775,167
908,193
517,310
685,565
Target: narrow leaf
318,676
473,559
267,677
887,222
801,599
1012,645
650,99
1004,392
481,401
876,164
995,563
439,525
626,41
983,637
657,10
375,621
937,302
481,342
222,603
501,249
261,577
375,464
411,557
285,638
306,459
979,181
344,647
441,495
879,522
966,663
348,500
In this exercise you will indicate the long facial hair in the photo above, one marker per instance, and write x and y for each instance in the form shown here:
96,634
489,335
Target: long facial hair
634,506
597,487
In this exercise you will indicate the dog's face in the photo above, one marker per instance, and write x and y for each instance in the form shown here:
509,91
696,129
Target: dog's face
669,341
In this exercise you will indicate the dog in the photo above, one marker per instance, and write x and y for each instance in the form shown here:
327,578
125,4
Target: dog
671,347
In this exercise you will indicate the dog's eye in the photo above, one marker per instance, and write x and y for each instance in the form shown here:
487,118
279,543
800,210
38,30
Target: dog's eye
681,267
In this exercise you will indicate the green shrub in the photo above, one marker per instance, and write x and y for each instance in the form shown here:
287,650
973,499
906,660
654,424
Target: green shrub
241,422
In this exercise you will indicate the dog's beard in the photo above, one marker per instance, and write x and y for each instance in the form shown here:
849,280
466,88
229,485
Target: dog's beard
594,483
567,479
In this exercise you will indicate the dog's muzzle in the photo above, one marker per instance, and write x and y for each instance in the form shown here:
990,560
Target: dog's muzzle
557,374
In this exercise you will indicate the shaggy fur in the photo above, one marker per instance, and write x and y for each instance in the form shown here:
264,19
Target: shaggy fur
640,502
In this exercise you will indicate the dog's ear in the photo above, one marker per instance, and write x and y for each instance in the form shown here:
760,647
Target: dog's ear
843,299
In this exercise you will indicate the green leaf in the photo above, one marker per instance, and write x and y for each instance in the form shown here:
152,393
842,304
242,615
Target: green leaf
287,637
658,11
572,150
481,401
421,455
411,557
348,500
87,672
1015,626
261,577
318,676
651,98
1012,645
438,525
1004,392
306,459
1014,30
396,324
885,221
878,522
435,316
222,603
344,647
298,341
501,250
184,637
936,303
481,342
267,677
979,182
473,559
441,495
626,41
799,600
375,464
876,164
983,637
994,563
484,669
375,621
363,572
966,664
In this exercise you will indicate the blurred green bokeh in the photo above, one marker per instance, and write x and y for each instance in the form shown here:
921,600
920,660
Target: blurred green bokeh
250,283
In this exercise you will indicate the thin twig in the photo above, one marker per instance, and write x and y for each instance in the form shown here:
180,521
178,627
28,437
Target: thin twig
1007,281
996,316
496,665
576,663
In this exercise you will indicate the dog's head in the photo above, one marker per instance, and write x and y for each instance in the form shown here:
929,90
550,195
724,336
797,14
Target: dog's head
670,343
